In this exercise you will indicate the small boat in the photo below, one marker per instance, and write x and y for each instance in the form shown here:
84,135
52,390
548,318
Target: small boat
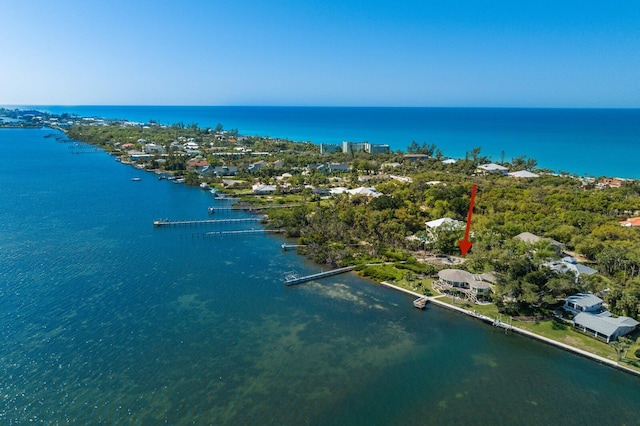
211,210
136,179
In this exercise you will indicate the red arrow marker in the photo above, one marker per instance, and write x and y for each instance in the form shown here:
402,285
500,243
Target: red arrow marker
465,244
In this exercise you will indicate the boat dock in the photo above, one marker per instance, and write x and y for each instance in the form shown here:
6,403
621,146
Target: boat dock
421,302
244,232
161,223
287,247
292,278
256,207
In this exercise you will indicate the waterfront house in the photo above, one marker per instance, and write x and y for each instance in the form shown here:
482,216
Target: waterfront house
197,164
583,302
459,281
138,155
604,326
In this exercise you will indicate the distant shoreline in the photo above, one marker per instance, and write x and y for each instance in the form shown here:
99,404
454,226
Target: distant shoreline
581,141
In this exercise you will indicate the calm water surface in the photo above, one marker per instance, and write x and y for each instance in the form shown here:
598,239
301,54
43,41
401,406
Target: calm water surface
104,319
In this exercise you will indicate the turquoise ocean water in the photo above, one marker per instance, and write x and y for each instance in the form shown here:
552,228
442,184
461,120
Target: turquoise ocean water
105,319
581,141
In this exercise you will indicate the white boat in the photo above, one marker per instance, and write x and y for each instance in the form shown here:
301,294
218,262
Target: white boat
136,179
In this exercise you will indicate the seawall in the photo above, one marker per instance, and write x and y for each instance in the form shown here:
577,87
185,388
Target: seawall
520,331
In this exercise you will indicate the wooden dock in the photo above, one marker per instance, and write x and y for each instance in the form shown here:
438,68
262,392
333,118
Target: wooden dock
292,278
243,232
161,223
255,207
421,302
287,247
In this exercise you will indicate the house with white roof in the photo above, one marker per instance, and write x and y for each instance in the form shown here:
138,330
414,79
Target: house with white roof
524,174
434,224
262,189
369,192
492,169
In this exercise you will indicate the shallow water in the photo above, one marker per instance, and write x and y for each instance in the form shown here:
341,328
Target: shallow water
106,319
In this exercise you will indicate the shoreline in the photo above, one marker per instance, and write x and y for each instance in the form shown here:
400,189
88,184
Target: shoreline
434,299
522,332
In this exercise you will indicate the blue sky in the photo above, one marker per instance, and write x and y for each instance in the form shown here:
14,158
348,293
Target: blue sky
321,52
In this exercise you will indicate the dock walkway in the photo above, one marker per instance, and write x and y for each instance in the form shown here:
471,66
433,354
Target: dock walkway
292,278
253,207
160,223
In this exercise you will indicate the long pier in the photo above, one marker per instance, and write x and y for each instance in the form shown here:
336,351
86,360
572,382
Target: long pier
160,223
293,279
254,207
287,247
244,232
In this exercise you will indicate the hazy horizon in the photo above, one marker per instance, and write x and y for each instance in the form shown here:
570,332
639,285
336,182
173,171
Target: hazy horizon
322,53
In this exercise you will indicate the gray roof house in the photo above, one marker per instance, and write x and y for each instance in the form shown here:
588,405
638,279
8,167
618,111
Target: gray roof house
459,279
583,302
530,238
604,326
567,264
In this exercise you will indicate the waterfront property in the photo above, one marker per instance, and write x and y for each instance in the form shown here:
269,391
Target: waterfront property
604,326
462,283
583,302
592,318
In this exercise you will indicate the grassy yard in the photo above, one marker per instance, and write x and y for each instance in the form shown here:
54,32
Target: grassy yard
563,332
